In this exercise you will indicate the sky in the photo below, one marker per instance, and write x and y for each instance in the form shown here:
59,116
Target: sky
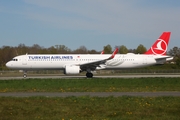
90,23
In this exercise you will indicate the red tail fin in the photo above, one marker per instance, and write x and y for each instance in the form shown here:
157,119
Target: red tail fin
160,46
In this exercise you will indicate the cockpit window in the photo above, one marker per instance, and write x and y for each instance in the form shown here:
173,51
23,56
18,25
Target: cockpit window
14,59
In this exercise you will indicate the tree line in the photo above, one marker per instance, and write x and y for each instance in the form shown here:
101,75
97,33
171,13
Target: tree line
8,52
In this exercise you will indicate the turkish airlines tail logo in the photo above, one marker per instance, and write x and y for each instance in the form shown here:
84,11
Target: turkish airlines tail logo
161,44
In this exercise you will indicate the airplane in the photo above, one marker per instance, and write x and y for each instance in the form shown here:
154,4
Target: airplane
77,63
102,52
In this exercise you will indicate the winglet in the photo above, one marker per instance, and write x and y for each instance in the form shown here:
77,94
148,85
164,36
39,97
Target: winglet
160,46
114,53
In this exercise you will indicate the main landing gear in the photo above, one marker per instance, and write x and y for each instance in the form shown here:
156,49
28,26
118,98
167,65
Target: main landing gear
25,74
89,75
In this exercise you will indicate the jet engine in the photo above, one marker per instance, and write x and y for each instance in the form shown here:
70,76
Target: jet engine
72,69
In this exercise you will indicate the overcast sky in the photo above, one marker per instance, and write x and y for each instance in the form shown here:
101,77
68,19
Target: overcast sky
89,23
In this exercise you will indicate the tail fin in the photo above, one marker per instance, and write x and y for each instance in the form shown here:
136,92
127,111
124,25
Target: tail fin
160,46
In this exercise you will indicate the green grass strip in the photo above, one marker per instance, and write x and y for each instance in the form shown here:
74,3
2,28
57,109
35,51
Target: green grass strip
91,85
84,107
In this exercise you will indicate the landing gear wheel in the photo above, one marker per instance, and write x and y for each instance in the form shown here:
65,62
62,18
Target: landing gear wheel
25,75
89,75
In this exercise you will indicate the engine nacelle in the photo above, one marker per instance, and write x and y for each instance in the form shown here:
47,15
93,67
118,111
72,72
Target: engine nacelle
72,69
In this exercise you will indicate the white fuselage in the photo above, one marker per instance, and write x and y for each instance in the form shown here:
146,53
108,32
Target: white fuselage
59,61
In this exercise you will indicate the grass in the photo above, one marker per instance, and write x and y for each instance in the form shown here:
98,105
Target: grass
91,85
90,108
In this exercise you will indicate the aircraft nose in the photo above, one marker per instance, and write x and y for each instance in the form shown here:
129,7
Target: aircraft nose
8,64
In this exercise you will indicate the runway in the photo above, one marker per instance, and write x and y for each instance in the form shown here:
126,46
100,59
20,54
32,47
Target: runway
104,76
91,94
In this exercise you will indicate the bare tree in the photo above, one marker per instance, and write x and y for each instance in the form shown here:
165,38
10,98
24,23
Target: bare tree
62,49
81,50
175,51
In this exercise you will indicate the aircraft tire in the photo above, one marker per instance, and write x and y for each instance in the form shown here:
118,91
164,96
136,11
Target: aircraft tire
89,75
25,75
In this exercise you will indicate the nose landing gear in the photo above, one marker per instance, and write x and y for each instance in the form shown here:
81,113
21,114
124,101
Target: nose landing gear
25,74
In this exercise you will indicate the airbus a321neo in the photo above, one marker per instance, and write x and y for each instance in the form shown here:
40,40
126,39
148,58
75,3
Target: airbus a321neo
76,63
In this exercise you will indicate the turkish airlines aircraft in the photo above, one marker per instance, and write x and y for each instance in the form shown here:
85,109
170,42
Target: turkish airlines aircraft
76,63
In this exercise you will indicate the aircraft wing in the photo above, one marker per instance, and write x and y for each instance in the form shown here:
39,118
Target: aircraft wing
92,65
